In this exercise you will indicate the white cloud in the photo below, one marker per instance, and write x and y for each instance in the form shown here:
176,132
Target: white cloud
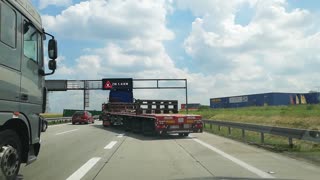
277,51
276,46
112,19
45,3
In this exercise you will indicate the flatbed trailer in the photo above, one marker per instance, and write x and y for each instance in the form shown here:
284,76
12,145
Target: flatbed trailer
151,117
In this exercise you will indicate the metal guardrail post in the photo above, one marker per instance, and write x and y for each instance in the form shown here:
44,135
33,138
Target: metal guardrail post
262,138
243,134
290,142
229,130
219,128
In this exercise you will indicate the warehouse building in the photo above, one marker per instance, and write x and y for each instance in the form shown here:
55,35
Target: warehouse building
265,99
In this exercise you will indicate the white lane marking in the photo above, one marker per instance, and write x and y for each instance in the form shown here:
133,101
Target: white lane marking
84,169
67,132
235,160
120,135
110,145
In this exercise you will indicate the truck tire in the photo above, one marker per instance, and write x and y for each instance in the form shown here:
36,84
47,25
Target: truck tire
10,154
44,126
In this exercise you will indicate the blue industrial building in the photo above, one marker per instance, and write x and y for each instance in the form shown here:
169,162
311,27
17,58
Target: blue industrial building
265,99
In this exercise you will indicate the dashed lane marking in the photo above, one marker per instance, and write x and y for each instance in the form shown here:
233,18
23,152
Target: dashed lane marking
110,145
82,171
65,132
120,135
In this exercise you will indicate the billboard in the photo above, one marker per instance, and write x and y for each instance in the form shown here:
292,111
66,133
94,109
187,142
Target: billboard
118,83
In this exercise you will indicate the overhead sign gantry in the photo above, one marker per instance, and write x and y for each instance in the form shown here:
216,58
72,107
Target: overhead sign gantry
114,83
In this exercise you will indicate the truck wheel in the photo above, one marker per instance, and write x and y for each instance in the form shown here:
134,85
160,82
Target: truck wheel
10,154
44,127
185,134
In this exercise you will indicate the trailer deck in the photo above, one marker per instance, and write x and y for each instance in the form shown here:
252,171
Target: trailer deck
147,116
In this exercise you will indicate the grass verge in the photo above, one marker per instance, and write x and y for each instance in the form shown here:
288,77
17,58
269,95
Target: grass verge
293,116
300,150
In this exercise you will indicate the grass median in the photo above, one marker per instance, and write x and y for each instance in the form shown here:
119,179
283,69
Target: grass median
298,116
54,115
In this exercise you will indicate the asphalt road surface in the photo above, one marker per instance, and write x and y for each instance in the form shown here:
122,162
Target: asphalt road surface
92,152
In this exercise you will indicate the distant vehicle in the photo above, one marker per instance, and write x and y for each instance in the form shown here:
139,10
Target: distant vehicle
82,117
44,124
22,85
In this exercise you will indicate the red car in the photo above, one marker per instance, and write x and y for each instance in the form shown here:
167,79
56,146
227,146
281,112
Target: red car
82,117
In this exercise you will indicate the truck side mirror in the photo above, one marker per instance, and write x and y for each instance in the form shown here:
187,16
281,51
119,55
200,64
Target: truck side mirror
52,49
52,64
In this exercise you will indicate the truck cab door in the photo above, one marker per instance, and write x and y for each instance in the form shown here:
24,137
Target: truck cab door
10,58
32,82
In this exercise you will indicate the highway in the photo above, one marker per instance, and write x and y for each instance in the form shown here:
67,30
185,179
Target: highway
70,152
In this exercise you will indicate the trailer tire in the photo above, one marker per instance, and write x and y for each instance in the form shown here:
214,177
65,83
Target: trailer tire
10,154
185,134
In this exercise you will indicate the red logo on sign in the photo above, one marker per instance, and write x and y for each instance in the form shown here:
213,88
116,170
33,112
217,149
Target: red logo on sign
107,85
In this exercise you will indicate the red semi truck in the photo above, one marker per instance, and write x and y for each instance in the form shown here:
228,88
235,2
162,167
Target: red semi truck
150,117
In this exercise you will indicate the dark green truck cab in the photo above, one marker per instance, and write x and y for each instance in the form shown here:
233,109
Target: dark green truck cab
22,84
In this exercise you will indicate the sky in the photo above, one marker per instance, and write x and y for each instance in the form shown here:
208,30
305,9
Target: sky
223,48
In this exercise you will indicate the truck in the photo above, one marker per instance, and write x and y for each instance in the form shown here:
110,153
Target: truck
149,117
22,84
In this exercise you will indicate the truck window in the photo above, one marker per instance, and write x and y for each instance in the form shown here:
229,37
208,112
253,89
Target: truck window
31,43
8,25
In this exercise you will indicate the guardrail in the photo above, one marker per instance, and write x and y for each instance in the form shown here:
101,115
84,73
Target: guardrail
59,119
290,133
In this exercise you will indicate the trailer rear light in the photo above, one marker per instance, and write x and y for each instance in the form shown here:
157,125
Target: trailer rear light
170,122
161,126
190,121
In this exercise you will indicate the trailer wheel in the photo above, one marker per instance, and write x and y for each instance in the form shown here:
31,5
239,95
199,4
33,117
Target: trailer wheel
185,134
10,154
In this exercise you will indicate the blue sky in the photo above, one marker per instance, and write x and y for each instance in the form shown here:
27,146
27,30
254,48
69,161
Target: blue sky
223,48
